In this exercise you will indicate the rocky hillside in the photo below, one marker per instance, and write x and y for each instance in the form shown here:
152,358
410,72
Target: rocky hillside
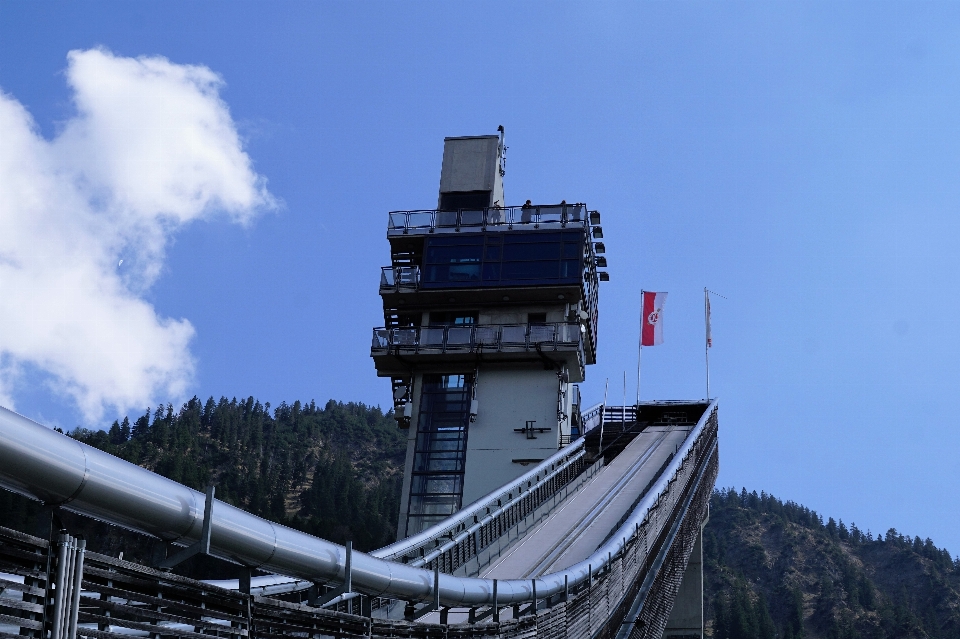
775,569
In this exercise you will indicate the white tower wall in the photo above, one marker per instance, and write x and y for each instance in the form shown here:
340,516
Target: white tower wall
507,398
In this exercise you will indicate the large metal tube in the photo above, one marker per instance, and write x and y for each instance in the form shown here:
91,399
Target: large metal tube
59,588
81,546
40,463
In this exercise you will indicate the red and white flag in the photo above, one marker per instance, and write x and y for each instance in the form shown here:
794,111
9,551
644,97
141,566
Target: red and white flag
652,332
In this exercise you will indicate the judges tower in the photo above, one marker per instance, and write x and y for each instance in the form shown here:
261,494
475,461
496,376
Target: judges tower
490,320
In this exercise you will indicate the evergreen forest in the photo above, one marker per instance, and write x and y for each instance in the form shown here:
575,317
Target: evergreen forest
776,569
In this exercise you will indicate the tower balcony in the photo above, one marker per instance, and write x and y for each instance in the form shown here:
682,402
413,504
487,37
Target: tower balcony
554,216
396,279
394,350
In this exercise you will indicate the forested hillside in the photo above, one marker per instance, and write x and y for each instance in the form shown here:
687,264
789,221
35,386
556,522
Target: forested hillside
333,471
775,569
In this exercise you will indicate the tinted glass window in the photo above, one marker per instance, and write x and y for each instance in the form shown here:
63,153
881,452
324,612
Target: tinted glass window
540,270
502,259
447,254
538,251
464,200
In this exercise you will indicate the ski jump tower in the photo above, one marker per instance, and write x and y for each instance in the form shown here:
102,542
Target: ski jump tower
490,318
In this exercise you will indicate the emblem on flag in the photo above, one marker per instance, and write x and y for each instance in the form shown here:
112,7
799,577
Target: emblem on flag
652,332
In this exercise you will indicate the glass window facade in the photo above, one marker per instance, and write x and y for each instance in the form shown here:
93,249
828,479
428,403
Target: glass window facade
436,485
503,259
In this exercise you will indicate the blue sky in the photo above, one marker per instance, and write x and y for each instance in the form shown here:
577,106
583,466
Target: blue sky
802,159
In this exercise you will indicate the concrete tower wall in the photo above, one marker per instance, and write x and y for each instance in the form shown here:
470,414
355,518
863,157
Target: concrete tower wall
472,164
508,397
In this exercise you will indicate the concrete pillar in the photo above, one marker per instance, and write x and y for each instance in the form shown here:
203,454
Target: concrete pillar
686,619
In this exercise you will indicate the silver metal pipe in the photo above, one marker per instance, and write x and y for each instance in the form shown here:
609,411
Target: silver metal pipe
40,463
77,588
58,586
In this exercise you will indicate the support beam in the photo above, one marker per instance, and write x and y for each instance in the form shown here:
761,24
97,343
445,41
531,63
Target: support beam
339,592
686,620
201,547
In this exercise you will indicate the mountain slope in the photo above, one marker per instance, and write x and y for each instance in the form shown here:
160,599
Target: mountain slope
775,569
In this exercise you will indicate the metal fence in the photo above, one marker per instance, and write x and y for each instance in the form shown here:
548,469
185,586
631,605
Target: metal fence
399,278
491,218
490,338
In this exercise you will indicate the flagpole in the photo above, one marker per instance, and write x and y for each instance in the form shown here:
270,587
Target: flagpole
706,336
603,411
639,349
623,415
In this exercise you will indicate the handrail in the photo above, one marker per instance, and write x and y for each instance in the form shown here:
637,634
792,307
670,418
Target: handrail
471,337
614,414
397,277
493,218
592,417
49,466
497,499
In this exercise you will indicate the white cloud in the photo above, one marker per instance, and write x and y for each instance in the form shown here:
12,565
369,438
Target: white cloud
152,147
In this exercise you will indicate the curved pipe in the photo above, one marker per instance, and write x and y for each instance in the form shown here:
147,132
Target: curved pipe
42,464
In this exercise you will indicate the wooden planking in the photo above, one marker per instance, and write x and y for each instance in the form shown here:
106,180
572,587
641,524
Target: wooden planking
24,538
16,604
87,617
147,613
20,621
128,596
16,585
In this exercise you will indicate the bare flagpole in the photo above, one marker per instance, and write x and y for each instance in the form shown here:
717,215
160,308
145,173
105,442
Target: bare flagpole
706,341
623,415
709,335
603,410
640,348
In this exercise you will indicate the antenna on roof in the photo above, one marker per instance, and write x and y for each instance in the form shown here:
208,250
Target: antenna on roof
502,152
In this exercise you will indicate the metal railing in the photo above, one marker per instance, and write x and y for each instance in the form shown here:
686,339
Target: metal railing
399,278
452,542
619,414
488,338
592,417
492,218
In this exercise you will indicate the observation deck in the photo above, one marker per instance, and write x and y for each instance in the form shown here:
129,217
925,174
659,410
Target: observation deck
394,349
532,217
495,256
